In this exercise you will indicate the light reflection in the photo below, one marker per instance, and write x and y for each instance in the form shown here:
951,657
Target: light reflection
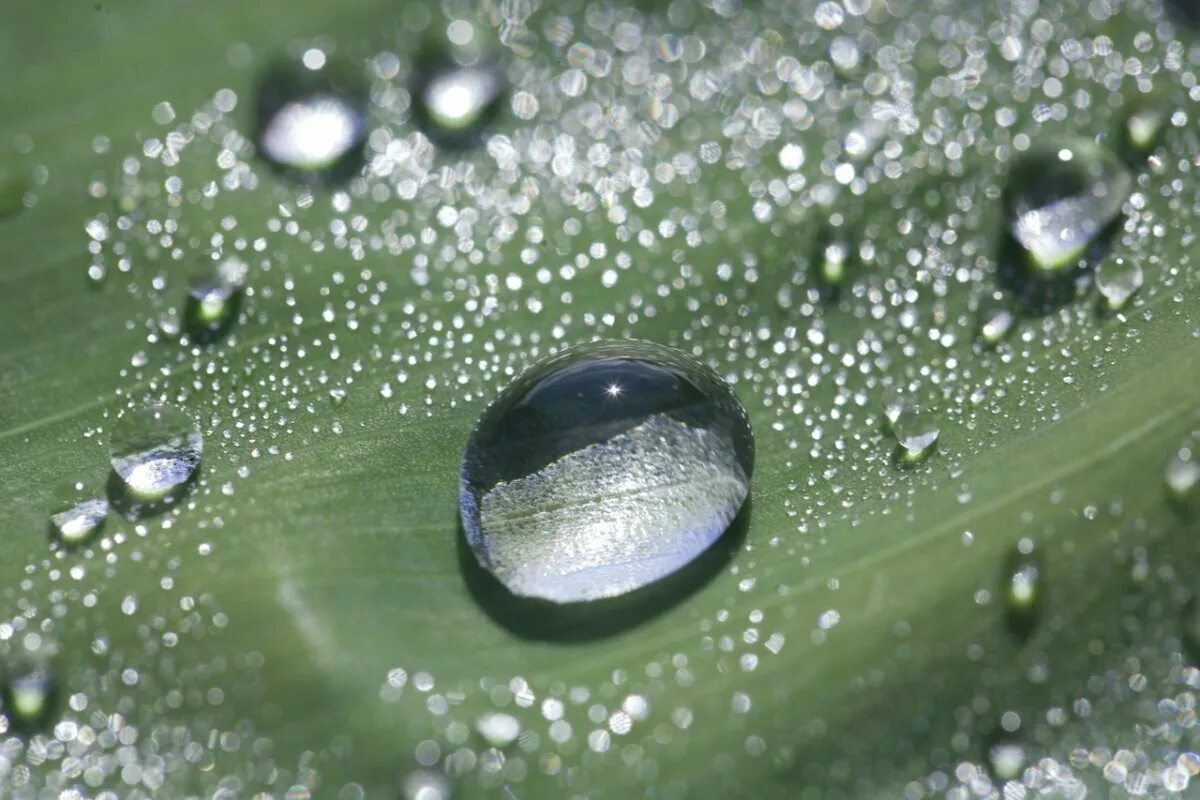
312,133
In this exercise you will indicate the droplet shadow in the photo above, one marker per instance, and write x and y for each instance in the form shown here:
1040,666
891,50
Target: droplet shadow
541,620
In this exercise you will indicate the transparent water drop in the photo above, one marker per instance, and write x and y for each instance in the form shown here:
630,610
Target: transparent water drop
996,318
498,729
834,257
1023,589
602,469
79,523
14,183
312,117
154,451
1118,279
1143,125
28,696
917,432
453,103
213,300
1061,197
895,400
1007,759
426,784
1182,474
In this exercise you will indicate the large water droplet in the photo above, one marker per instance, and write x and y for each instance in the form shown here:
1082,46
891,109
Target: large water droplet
1061,198
602,469
1118,279
917,432
312,117
154,451
213,300
79,523
453,103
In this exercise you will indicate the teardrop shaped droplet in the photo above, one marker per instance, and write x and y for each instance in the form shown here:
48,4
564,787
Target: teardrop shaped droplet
28,696
213,301
453,103
602,469
80,522
1118,279
155,450
917,431
312,117
1061,198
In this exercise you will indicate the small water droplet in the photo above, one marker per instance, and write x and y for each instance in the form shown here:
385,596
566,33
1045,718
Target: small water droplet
498,729
834,257
1023,589
916,430
1118,279
895,399
1061,198
1182,474
425,784
312,117
602,469
154,451
213,300
1144,125
79,523
28,696
1007,759
453,103
996,318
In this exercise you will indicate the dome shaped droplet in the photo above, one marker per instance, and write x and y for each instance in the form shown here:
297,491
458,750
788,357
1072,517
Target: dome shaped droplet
155,450
453,103
213,300
603,469
312,117
1060,199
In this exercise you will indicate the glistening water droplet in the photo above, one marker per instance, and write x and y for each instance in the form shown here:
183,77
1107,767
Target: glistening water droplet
312,117
1061,197
1023,579
1182,474
602,469
28,695
154,452
453,103
213,300
1118,279
79,523
917,431
996,318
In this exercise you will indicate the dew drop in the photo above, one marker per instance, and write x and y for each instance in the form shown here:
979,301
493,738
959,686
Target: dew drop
78,524
1007,759
453,103
312,117
916,430
1182,474
1143,126
28,696
996,318
1061,198
1023,589
1118,279
602,469
894,402
213,300
155,450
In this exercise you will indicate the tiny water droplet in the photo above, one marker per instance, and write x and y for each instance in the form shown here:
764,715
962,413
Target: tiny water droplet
78,524
1118,279
154,451
453,103
1061,198
1023,589
213,300
312,117
917,432
28,696
602,469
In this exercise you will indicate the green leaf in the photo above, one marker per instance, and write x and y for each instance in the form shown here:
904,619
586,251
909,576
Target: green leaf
309,615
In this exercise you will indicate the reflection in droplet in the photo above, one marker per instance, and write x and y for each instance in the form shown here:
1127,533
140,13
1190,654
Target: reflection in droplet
1118,279
312,117
453,103
78,524
603,469
154,451
917,431
1061,197
213,300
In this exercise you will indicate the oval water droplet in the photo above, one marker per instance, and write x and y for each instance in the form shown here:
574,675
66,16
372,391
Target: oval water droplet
28,696
603,469
80,522
1023,589
154,452
213,301
916,431
453,103
1118,279
312,117
1061,198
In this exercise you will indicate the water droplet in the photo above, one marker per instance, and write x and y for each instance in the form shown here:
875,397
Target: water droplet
1144,125
1182,474
1007,759
78,524
498,729
602,469
213,301
1118,279
1023,589
834,256
453,103
1061,198
996,318
917,432
312,118
28,696
425,784
895,399
154,451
